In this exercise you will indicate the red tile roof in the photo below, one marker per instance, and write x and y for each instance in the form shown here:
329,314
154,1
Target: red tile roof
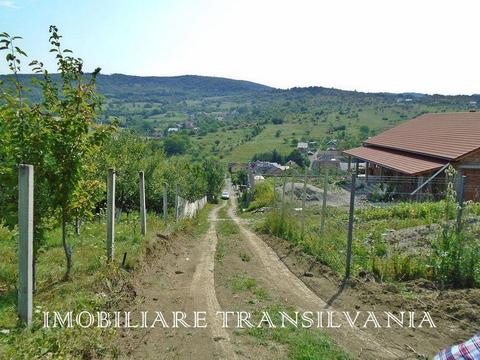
406,163
441,135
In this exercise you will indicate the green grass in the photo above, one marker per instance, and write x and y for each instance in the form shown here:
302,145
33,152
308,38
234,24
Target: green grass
301,343
371,252
244,257
200,224
226,227
95,285
241,283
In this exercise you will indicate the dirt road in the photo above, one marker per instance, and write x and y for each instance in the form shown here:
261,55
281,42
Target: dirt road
208,274
284,282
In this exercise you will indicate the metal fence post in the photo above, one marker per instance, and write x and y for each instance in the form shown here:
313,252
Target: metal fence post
110,213
25,251
304,195
143,207
324,203
350,228
165,199
460,185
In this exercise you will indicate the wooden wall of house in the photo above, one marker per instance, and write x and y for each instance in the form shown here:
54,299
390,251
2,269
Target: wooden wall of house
472,183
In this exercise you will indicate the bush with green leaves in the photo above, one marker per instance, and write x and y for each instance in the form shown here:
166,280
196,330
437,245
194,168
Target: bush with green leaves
263,195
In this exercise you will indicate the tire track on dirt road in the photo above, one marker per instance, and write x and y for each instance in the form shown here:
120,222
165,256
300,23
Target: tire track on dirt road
203,290
295,292
179,277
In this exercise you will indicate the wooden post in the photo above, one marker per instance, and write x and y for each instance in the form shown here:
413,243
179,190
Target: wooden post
110,214
460,187
350,228
304,195
25,249
165,199
357,166
176,202
143,207
324,203
349,163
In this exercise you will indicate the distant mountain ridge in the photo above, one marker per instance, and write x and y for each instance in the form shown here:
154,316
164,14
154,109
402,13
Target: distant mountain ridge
207,85
184,87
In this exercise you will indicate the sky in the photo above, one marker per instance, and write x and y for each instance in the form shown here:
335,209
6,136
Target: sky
428,46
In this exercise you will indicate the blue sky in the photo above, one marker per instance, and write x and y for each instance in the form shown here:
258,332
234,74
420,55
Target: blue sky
370,45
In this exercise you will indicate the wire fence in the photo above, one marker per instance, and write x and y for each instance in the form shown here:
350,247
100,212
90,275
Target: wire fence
385,226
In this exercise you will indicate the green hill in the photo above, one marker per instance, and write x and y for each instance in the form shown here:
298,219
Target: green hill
235,119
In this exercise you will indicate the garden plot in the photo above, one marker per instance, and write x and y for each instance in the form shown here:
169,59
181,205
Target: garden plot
418,240
314,195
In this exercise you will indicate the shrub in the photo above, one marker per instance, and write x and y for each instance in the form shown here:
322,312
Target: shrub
263,195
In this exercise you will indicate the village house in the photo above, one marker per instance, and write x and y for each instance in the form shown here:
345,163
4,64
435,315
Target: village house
302,146
172,130
422,148
235,167
267,168
327,159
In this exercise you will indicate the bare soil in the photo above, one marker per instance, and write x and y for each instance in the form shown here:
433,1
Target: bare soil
179,277
184,273
456,313
314,195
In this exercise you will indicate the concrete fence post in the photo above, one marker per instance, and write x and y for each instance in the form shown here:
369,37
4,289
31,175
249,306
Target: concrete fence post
143,207
348,264
110,213
292,190
25,251
324,203
165,199
304,196
176,202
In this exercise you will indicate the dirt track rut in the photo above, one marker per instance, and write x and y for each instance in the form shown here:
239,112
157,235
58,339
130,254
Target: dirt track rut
203,291
297,294
183,279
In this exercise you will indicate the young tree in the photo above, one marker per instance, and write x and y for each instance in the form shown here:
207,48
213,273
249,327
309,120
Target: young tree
213,173
60,132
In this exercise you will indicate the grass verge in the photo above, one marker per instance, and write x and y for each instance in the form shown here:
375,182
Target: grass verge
95,285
